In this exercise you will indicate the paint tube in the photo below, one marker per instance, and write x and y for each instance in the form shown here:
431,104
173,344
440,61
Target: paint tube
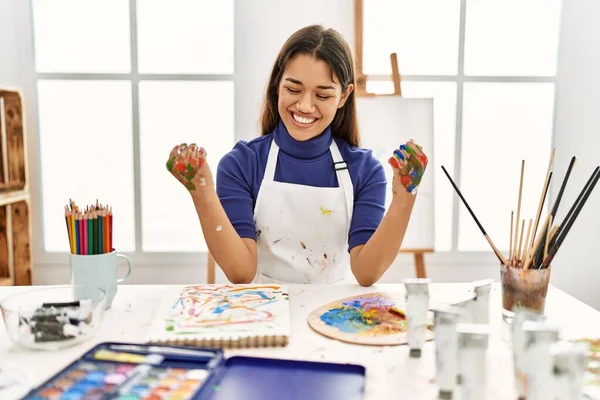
472,346
481,303
446,348
518,344
417,304
568,369
537,359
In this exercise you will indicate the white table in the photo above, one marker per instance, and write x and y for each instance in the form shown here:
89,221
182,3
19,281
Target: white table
391,374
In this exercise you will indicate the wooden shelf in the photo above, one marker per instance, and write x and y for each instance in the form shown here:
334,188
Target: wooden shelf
15,214
13,197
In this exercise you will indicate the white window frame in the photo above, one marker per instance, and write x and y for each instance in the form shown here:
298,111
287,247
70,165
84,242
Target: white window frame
459,79
28,78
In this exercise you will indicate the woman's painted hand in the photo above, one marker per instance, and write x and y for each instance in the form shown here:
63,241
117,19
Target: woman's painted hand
409,163
188,165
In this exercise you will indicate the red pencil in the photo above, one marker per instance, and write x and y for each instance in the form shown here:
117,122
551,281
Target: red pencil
110,230
86,249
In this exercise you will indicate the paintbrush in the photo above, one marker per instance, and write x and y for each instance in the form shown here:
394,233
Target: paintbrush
573,209
563,231
538,255
543,197
516,237
496,251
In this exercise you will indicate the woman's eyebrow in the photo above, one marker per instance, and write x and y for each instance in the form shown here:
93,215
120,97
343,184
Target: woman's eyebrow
297,82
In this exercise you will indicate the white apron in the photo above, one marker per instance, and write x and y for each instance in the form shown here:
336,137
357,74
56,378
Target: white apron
303,230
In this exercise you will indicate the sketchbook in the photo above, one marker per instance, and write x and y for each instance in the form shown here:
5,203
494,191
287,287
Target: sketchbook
224,316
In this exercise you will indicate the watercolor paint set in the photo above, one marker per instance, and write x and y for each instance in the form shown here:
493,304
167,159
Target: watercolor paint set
131,371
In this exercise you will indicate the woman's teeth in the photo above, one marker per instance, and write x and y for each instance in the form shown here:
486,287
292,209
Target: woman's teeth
303,120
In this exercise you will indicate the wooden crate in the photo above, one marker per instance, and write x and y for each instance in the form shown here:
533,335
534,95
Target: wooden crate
15,239
13,167
15,218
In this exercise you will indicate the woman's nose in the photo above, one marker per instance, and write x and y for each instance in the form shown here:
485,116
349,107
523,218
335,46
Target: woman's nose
305,105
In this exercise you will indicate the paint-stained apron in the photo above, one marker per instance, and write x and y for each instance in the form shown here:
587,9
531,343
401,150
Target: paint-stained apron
303,230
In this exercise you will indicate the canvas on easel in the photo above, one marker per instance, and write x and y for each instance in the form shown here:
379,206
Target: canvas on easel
385,122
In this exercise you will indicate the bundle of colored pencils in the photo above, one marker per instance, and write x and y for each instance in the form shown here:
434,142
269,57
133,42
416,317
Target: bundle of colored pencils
90,230
538,251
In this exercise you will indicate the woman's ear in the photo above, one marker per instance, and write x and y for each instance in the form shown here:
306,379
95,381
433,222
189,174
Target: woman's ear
345,95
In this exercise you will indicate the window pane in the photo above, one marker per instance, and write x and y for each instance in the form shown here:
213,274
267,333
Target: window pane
172,113
444,125
503,123
424,34
81,36
86,154
185,36
512,37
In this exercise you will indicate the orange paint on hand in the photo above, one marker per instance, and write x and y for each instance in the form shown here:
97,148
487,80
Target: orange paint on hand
180,167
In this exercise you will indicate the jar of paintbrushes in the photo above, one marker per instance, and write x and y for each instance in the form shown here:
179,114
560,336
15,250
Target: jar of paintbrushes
525,274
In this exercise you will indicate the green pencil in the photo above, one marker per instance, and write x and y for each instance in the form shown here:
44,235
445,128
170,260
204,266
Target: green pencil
91,247
99,233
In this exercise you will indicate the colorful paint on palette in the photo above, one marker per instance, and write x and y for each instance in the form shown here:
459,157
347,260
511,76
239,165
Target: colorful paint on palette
367,316
93,380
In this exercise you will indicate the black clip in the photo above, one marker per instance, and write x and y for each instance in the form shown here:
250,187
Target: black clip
340,168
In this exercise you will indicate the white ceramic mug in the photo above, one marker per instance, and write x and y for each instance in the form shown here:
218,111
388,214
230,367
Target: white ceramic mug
99,270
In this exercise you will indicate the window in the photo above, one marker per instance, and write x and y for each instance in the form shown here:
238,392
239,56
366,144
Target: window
493,91
114,101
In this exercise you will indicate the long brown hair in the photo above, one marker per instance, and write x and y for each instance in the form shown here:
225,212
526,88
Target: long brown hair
326,45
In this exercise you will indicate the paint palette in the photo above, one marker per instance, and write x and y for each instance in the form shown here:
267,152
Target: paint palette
134,374
128,371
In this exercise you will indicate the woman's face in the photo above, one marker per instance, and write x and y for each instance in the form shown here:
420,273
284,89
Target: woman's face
309,96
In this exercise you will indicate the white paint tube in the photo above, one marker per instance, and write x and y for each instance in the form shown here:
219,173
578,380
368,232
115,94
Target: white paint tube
537,361
568,369
480,307
446,318
472,346
417,305
518,345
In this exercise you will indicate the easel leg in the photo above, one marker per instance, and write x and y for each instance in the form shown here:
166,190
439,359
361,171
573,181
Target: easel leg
420,265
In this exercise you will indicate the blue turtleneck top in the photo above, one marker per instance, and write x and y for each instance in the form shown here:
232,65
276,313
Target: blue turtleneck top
240,174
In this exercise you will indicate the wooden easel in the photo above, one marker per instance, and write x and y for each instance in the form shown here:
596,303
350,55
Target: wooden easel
419,254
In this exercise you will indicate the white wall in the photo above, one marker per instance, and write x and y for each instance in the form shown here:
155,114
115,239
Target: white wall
577,267
264,25
9,71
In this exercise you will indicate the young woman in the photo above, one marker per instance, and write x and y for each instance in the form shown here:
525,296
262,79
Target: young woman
299,202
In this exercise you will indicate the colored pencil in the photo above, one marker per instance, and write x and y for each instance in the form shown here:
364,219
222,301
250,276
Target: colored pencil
99,232
73,238
110,230
86,251
105,231
89,230
77,242
91,233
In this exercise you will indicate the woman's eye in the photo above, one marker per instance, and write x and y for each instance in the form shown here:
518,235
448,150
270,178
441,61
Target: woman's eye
294,91
322,97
